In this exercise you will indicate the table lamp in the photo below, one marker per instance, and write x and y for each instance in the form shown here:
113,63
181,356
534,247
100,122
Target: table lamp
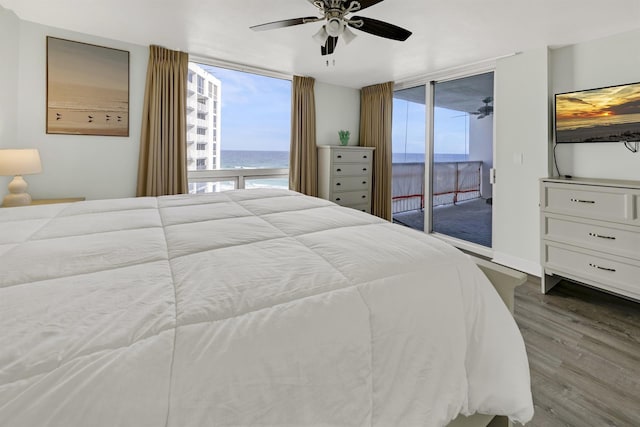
17,163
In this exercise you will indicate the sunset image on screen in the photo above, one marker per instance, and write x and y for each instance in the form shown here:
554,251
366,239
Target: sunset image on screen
599,115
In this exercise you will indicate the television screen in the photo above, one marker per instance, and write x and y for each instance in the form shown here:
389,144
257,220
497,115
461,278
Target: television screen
609,114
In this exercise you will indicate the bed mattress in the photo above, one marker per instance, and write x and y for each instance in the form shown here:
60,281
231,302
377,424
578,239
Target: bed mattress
249,307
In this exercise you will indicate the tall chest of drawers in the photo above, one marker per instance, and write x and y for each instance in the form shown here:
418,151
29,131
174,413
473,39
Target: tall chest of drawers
591,233
344,175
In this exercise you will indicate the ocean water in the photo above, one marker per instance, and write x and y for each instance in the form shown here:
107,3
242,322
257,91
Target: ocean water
231,159
419,157
234,159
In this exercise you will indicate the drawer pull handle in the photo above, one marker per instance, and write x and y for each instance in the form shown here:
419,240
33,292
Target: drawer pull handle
364,197
364,182
338,170
583,201
337,199
364,157
601,236
339,156
613,270
337,183
364,169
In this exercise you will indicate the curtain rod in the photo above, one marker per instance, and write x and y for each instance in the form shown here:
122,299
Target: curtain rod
452,72
239,67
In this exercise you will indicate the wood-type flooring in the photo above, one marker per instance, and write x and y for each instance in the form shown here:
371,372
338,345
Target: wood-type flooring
584,355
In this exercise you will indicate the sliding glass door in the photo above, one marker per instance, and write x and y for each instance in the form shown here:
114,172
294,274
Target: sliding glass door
408,149
462,158
455,151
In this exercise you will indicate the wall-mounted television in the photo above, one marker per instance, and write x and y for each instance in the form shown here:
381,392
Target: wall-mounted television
608,114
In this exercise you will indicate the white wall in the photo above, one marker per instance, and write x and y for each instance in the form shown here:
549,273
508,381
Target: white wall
604,62
481,148
9,33
522,133
337,108
94,167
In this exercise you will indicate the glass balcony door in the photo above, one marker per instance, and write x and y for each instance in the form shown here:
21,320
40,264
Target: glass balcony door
408,154
461,205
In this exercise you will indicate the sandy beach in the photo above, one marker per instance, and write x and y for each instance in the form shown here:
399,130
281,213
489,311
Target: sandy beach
87,122
611,133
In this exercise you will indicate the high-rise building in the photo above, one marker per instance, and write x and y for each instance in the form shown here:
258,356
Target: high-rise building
203,123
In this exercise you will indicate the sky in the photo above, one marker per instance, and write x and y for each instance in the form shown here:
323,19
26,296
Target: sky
408,129
599,102
255,111
256,116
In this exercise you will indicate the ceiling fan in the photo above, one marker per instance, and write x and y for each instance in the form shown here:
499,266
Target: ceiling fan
485,110
337,23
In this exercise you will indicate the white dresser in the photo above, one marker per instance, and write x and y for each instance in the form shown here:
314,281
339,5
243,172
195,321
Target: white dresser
344,175
591,233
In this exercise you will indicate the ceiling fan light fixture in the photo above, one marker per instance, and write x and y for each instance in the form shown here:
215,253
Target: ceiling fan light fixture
348,35
321,36
334,27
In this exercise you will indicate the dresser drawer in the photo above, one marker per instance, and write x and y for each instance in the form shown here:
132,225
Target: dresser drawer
593,235
350,183
362,208
351,156
602,203
350,169
351,198
608,273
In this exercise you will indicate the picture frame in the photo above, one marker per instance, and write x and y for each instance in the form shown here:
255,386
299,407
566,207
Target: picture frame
87,89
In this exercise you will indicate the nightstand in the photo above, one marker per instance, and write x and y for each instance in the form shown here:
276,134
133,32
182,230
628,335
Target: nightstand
53,201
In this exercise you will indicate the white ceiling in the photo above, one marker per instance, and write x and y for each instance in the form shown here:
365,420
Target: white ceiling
446,33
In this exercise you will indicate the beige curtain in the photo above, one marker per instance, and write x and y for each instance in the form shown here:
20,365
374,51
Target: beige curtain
376,103
162,165
303,164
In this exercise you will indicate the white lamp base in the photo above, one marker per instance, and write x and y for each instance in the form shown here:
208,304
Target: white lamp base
18,195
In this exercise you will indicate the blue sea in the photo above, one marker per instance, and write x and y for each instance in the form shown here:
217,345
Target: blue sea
231,159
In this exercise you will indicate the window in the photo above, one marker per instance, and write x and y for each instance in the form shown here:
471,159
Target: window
249,131
201,164
191,76
202,147
200,85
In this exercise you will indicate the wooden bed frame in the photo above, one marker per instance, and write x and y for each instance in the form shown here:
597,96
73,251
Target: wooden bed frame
505,281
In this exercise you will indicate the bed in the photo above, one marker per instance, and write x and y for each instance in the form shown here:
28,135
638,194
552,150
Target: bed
248,307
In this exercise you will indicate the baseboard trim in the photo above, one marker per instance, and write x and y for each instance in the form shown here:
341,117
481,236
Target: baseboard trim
519,264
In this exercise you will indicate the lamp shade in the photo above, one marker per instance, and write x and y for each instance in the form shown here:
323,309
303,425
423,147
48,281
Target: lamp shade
19,162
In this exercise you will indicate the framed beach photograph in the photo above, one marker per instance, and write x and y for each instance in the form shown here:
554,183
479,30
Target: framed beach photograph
87,89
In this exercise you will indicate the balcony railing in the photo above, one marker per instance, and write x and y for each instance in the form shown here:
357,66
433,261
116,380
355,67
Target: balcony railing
238,176
452,182
203,108
191,87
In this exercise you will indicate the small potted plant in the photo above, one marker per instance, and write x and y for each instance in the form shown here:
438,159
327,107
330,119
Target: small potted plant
344,136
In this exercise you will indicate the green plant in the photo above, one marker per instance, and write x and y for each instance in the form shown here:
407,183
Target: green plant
344,136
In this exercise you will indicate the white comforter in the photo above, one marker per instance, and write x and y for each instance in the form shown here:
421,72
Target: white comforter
244,308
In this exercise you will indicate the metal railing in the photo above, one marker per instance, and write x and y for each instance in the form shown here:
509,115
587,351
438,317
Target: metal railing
452,182
239,176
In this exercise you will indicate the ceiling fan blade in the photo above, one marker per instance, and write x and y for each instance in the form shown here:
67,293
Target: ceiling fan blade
329,46
284,23
380,28
366,3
